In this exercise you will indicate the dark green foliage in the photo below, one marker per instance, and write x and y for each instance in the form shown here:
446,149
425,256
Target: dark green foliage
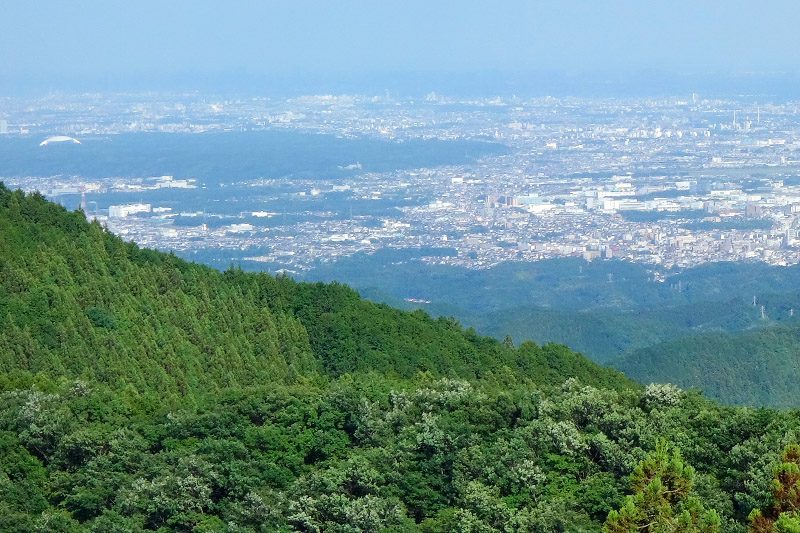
388,454
675,330
603,309
100,318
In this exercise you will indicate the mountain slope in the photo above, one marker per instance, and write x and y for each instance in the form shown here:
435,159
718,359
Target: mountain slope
76,301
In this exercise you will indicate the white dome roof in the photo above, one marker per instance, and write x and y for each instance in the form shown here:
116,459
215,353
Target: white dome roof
58,139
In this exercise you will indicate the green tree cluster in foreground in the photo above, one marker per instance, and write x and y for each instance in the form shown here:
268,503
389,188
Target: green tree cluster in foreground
370,453
142,392
783,513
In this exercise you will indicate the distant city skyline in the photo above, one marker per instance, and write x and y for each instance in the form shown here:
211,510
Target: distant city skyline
308,46
287,183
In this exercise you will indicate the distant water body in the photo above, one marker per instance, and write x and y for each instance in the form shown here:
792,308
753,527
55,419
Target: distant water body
212,158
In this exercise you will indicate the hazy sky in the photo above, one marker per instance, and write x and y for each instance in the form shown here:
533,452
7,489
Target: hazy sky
49,41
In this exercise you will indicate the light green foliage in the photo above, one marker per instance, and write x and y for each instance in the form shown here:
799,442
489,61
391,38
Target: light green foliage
787,523
660,395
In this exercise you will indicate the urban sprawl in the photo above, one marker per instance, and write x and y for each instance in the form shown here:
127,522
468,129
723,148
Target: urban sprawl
673,182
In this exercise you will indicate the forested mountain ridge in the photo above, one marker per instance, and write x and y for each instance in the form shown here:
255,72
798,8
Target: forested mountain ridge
140,392
76,301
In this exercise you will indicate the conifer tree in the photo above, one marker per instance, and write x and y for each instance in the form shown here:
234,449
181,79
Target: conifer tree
662,484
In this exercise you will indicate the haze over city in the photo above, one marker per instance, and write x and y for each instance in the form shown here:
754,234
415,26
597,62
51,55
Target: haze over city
571,46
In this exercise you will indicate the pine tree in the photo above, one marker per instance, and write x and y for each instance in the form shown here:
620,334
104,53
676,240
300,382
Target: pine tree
662,484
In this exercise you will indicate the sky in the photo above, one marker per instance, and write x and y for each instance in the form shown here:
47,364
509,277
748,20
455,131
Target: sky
48,43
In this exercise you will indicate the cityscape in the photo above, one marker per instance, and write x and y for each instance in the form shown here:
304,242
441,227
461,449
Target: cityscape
672,182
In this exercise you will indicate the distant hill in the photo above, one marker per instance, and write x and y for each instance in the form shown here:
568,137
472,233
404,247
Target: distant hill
753,368
603,309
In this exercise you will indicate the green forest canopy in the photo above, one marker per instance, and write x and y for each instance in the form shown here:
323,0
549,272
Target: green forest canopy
143,392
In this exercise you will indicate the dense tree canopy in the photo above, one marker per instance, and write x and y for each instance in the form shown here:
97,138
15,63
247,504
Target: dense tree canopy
142,392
